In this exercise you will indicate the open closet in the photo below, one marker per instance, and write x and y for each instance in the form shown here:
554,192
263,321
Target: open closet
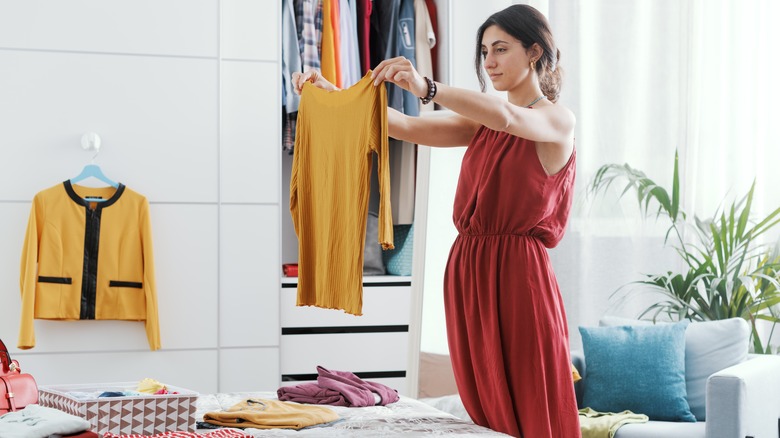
384,344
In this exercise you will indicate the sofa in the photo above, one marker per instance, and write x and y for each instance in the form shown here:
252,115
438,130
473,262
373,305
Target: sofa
731,394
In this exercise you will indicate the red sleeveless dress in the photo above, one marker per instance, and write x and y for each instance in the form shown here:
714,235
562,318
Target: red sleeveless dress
506,324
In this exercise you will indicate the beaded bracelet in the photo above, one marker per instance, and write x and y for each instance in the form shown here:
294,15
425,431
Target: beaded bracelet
431,91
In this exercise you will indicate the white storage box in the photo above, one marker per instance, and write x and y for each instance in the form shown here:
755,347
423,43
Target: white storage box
147,415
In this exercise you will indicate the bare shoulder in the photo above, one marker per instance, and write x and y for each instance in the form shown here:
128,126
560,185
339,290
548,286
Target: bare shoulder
561,118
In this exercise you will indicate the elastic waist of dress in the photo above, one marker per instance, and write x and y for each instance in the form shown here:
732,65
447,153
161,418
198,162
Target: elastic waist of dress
525,234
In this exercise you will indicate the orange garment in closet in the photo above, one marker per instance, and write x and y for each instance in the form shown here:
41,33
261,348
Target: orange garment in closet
338,133
331,43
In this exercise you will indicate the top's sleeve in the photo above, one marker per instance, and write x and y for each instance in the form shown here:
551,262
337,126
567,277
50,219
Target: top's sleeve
29,272
152,323
294,175
380,146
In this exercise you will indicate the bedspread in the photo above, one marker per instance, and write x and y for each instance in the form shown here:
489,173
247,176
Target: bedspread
407,417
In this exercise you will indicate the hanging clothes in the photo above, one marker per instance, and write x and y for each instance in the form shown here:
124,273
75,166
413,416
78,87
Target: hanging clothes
338,132
310,30
291,56
424,41
88,260
432,13
331,42
403,155
350,60
364,32
392,35
291,63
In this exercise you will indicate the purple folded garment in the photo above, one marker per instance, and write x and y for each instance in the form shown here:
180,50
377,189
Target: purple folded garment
356,391
311,393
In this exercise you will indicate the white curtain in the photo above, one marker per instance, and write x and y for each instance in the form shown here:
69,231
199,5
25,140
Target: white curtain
646,78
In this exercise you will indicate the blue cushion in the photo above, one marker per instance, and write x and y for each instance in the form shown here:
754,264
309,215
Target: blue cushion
398,261
637,368
710,346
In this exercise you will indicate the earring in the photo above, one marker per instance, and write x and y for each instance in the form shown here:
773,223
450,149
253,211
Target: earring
533,64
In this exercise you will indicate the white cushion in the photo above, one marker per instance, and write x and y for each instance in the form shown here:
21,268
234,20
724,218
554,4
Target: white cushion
665,429
710,346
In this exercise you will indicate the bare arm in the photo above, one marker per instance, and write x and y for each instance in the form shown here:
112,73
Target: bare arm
547,124
429,131
446,131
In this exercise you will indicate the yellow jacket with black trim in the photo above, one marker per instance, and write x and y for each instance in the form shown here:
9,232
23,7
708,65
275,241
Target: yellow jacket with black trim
84,259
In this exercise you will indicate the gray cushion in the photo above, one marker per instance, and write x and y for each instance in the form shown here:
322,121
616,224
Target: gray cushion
662,429
372,252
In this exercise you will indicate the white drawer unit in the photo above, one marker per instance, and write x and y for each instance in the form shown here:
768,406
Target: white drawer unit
374,346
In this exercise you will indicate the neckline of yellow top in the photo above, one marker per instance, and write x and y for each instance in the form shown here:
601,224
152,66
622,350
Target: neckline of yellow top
92,204
355,90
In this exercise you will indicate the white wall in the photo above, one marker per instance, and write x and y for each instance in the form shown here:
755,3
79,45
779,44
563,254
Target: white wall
185,96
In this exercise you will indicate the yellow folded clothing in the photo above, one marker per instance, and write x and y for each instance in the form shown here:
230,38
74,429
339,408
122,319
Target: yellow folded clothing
271,414
594,424
149,386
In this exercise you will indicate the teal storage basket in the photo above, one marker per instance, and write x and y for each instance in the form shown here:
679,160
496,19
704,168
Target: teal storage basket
398,261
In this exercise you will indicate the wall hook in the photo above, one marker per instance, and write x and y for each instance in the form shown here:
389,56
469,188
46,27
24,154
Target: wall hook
91,142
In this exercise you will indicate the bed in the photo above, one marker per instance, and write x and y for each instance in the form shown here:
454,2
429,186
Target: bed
408,417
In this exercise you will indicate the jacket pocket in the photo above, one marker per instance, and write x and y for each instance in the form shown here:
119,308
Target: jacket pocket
57,280
117,283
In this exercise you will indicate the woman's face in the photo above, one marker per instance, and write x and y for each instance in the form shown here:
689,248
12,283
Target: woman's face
506,61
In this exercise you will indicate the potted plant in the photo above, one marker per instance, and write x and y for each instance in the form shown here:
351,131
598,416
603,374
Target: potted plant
727,271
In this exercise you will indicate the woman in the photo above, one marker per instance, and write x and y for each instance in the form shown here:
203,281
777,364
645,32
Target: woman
506,323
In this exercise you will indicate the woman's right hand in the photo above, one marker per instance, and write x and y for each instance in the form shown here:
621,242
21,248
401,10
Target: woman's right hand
313,76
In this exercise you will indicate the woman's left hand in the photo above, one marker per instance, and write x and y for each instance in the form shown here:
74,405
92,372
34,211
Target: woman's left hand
401,72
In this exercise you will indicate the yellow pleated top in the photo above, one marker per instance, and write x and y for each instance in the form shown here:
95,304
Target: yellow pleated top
337,133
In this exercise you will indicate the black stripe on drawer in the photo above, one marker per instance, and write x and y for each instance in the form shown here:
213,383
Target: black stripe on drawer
58,280
362,375
345,329
117,283
381,284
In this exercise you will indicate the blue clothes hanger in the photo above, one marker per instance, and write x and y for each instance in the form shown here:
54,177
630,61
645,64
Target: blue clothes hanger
91,141
93,171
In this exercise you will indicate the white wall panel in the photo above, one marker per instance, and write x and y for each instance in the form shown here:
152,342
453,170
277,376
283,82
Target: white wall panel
185,251
13,223
157,118
194,370
249,369
159,81
250,30
163,27
249,276
250,144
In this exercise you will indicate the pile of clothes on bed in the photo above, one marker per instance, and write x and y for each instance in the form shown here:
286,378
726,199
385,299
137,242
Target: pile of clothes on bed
301,406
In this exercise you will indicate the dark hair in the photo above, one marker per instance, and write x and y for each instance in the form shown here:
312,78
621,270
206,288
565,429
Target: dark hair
528,26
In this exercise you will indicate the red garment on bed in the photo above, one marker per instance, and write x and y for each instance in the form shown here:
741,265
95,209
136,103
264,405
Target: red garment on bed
506,323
